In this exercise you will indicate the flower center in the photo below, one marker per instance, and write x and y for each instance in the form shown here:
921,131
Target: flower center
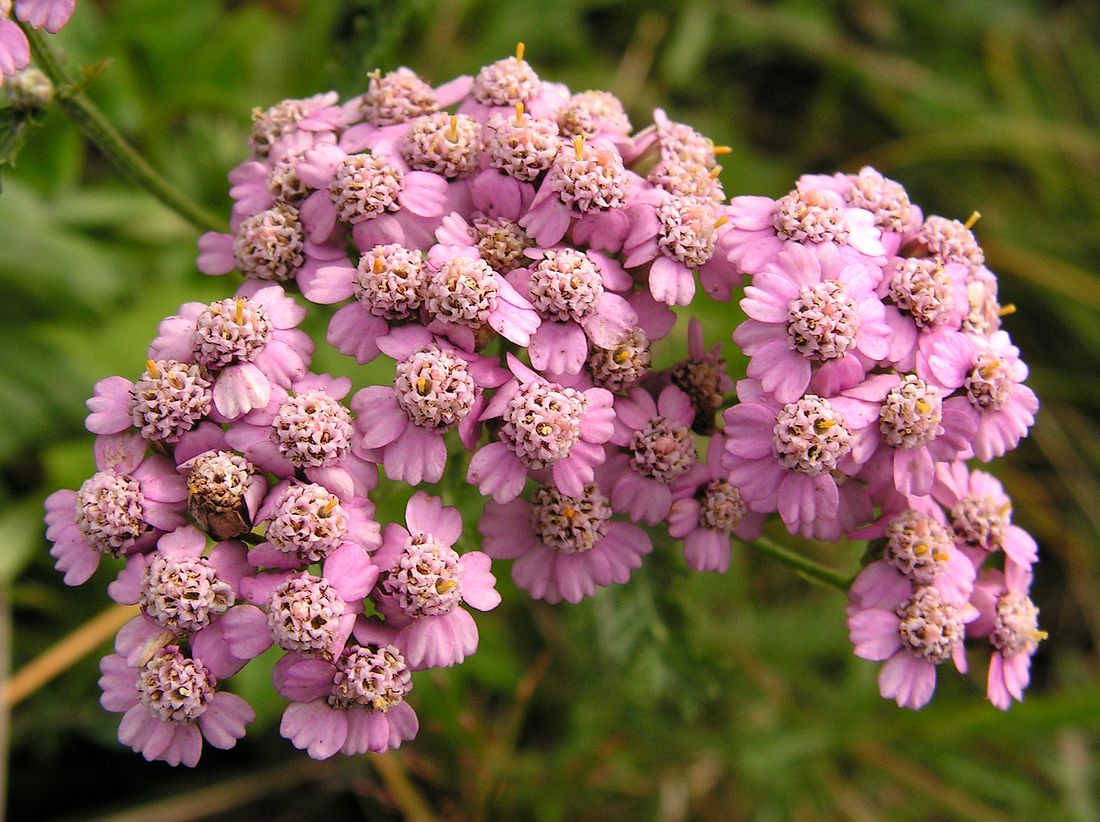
591,112
506,82
175,688
918,546
309,523
688,178
216,490
981,520
921,287
110,511
373,677
183,595
687,229
543,422
396,97
522,146
426,580
984,316
720,506
388,281
1016,626
565,285
277,121
501,243
930,628
822,321
810,217
810,437
571,525
434,387
269,245
883,197
910,415
662,450
284,183
446,144
312,429
230,330
949,241
169,399
365,185
989,385
304,613
589,177
684,144
463,292
618,368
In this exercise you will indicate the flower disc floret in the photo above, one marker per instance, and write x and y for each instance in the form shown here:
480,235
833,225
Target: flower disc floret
501,243
445,144
309,523
930,628
950,241
590,178
687,229
365,185
268,125
175,688
218,481
621,366
981,520
918,545
396,97
810,436
230,330
687,179
312,429
373,678
284,183
434,387
989,385
810,216
721,507
304,613
571,525
542,423
822,321
521,147
565,285
1016,625
110,509
590,112
505,83
463,292
168,399
426,580
389,280
921,287
883,197
911,414
269,245
183,595
662,450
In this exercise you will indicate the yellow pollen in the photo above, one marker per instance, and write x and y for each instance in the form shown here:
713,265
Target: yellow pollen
520,47
1005,509
721,221
974,217
821,426
423,386
1006,310
920,549
377,266
519,114
151,367
544,429
722,149
177,383
330,506
714,172
568,513
452,132
1039,636
923,405
939,556
991,369
621,356
578,146
446,585
240,310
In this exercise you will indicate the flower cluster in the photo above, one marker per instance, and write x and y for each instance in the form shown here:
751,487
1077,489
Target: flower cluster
15,50
514,250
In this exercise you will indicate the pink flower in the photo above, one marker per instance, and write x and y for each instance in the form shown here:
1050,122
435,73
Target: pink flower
424,581
392,101
565,547
50,15
436,388
897,218
317,115
15,51
503,85
545,426
927,300
913,628
121,510
224,490
247,344
811,313
706,510
1010,620
704,377
167,401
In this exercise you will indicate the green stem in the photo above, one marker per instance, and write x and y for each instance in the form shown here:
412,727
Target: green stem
805,566
90,120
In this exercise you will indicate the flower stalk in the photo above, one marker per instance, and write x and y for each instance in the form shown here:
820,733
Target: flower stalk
805,566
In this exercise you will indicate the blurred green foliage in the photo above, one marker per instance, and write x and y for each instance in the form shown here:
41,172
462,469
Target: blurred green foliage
678,696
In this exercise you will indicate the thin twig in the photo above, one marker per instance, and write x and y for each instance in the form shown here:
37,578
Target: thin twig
813,571
402,790
63,654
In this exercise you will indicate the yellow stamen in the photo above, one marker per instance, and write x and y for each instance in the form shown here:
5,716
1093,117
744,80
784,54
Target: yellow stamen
722,149
330,506
714,172
821,426
452,132
920,549
240,310
974,217
1039,636
519,50
991,369
578,146
568,513
621,356
376,267
1006,310
923,405
519,114
721,221
446,585
151,367
940,556
422,386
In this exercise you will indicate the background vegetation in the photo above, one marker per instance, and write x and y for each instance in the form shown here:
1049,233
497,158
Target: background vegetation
678,696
